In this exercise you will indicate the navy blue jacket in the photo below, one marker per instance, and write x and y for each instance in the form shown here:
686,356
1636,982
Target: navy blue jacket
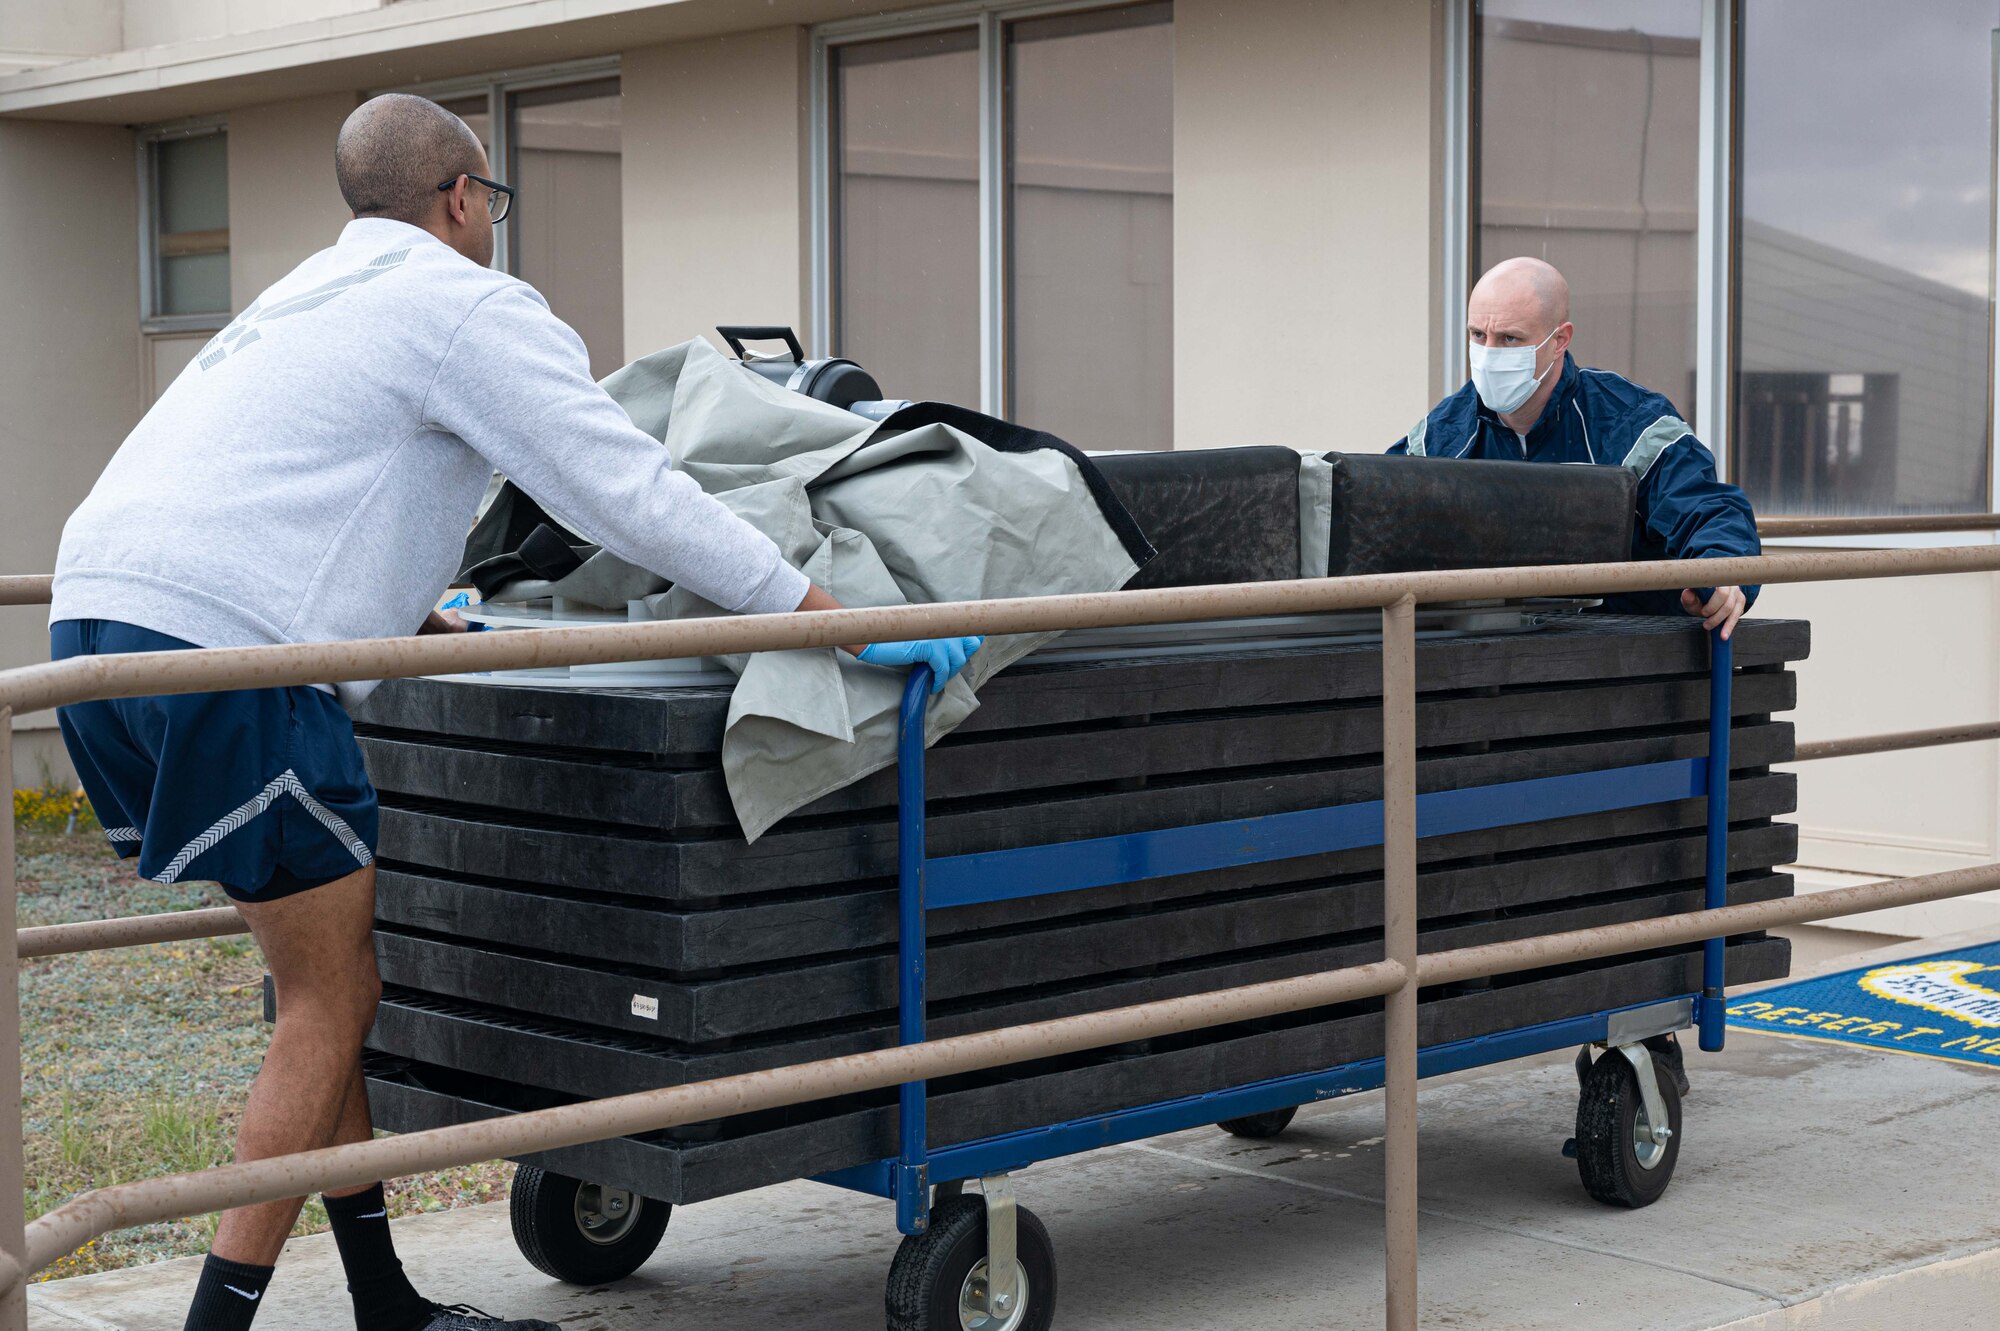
1685,512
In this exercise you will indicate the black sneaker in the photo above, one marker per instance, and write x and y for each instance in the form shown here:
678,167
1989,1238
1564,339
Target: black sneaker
464,1317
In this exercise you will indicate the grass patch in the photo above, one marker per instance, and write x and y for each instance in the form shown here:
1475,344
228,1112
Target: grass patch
135,1062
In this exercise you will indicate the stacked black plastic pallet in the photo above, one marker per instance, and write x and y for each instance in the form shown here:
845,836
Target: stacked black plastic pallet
567,910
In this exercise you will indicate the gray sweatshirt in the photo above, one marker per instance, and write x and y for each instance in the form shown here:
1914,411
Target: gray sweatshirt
312,473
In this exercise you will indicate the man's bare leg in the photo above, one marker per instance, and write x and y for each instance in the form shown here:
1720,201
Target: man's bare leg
319,947
355,1126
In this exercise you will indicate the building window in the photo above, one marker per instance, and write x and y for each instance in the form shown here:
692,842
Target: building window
1842,431
1090,197
1031,157
1864,255
1587,120
905,139
187,203
560,144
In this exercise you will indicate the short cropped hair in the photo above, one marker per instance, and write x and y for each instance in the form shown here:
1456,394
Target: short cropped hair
393,151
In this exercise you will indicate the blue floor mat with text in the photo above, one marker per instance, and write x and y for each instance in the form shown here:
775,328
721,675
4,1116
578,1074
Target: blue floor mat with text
1936,1006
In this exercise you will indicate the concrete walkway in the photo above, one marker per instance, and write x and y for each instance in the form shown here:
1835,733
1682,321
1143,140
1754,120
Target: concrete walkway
1819,1187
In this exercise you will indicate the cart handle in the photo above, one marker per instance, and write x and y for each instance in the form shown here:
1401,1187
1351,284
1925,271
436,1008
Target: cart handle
1714,1000
912,1126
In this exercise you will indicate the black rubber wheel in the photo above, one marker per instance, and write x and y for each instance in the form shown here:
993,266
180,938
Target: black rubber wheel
582,1233
1618,1166
931,1280
1258,1126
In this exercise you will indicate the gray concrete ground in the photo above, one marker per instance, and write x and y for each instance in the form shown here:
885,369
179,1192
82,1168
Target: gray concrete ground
1820,1186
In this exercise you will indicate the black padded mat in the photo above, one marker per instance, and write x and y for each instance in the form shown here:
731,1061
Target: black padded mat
1213,514
1405,515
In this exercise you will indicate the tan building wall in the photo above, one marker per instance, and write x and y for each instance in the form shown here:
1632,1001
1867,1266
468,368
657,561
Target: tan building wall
715,186
1886,656
1304,196
69,353
283,203
160,22
38,32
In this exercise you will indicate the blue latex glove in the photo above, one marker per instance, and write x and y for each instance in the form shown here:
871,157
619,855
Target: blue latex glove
463,601
945,656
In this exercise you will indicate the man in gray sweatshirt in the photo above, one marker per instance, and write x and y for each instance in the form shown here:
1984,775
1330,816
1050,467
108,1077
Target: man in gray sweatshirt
310,477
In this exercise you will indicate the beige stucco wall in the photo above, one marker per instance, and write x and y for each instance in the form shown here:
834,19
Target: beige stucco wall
1901,655
69,347
1304,194
283,203
715,186
40,31
158,22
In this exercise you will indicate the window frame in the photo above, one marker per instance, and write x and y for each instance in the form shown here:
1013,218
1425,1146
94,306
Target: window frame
151,321
498,89
1718,290
990,19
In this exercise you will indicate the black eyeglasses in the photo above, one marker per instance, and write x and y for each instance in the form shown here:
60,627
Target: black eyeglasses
498,203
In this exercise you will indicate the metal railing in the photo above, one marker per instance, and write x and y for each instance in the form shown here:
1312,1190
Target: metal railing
1396,978
1907,524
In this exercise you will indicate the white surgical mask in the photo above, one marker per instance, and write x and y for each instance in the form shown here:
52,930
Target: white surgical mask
1505,376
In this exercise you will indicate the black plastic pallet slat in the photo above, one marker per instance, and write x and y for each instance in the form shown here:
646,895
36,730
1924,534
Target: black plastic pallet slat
688,944
558,1054
696,797
695,1171
760,1003
728,935
720,867
686,724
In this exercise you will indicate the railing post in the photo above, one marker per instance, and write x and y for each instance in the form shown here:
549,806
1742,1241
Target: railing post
1399,937
13,1219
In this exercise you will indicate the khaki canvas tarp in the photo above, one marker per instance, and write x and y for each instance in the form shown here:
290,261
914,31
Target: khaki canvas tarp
876,516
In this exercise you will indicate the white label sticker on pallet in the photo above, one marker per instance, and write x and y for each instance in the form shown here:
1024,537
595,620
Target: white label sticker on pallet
642,1006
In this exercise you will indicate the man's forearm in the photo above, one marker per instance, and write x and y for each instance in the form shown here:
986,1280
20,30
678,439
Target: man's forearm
819,600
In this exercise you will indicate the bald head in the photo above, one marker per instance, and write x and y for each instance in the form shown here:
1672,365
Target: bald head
1526,288
1519,304
394,150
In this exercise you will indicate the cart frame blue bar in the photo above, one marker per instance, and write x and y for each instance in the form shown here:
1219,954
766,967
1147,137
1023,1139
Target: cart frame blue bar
925,884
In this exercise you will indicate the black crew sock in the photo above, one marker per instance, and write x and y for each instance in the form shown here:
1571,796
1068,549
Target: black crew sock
384,1299
227,1296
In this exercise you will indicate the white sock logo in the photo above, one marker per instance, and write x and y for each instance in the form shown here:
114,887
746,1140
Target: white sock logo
374,1215
244,1292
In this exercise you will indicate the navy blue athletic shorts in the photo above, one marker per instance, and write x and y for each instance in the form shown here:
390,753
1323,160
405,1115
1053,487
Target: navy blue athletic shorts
260,790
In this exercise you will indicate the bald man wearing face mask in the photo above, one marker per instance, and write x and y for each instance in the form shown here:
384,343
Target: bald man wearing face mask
1529,401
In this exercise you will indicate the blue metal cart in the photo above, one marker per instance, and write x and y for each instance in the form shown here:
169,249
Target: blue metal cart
985,1264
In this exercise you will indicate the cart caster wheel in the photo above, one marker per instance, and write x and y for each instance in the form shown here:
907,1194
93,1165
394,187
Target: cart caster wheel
1616,1156
582,1233
938,1277
1258,1126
